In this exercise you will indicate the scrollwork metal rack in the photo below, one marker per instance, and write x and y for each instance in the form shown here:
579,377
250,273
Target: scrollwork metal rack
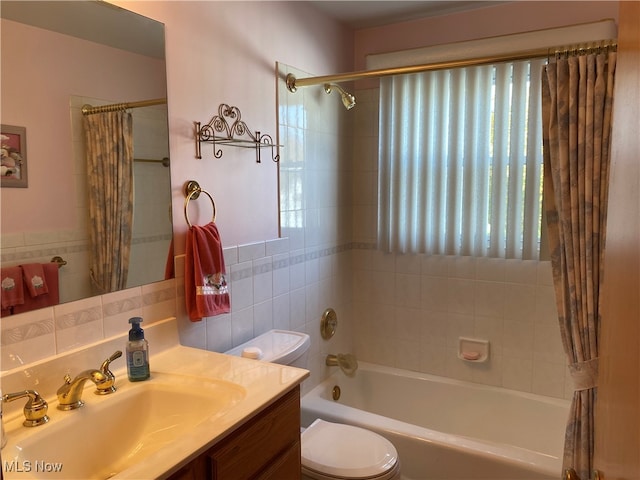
228,128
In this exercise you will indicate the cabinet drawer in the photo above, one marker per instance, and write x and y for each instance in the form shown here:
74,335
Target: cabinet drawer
286,466
254,446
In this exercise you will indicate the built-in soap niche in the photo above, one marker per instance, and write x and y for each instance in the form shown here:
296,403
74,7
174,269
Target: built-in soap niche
473,350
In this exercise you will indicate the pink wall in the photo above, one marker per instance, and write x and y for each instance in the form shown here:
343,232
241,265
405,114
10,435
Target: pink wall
225,52
40,70
505,19
217,52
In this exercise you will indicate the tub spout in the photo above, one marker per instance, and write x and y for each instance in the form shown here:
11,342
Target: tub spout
347,363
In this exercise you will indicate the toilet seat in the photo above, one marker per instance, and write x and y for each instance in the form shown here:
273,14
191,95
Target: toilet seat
337,451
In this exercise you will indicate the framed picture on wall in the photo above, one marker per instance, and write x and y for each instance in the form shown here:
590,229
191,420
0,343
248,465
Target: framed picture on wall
13,153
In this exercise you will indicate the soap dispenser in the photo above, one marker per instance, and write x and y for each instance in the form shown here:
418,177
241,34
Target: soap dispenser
137,352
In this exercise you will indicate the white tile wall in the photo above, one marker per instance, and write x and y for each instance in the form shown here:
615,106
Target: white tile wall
420,316
411,309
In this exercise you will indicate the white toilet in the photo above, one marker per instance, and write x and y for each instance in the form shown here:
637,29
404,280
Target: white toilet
330,451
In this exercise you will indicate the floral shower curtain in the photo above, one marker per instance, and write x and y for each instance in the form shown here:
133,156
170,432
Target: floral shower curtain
577,98
109,149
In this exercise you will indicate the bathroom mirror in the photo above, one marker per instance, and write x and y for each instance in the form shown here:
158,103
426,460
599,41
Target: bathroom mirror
57,56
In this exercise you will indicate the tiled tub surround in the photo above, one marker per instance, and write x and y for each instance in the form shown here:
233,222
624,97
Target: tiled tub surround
411,309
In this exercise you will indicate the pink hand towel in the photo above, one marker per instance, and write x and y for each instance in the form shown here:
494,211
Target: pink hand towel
12,286
206,290
35,279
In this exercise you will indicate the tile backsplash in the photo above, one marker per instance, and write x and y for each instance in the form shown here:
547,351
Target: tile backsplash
33,336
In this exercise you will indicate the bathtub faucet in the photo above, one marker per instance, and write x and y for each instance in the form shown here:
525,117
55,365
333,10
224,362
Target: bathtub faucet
347,363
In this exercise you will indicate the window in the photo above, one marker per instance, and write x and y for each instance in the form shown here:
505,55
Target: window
460,161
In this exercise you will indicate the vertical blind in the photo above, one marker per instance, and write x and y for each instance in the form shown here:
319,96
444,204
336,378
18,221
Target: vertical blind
460,161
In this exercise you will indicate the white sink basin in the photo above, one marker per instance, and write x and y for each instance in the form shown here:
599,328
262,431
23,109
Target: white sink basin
113,432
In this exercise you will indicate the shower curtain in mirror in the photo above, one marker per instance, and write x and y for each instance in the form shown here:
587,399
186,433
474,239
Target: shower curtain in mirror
577,97
109,149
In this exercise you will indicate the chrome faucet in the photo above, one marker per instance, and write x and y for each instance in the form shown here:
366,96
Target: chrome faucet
35,410
69,394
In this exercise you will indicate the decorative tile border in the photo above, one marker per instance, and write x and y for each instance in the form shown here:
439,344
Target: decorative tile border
124,305
27,331
79,317
159,296
41,252
152,238
28,252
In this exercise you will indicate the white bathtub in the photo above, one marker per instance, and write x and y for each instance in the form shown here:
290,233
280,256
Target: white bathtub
447,429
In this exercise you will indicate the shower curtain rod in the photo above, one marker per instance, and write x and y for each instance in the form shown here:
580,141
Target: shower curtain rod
89,110
293,83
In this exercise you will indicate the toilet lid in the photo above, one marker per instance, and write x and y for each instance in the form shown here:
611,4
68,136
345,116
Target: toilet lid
346,451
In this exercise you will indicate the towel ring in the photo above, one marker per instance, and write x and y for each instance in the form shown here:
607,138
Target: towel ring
192,190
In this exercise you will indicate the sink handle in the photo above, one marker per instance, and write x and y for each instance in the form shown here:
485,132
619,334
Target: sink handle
108,385
104,368
35,410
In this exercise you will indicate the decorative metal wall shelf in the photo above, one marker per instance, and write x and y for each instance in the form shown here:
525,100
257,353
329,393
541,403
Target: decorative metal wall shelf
228,128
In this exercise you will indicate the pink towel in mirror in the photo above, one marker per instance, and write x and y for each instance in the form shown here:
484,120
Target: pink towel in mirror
12,287
34,279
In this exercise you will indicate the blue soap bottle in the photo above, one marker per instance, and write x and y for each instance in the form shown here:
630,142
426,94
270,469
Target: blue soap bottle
137,352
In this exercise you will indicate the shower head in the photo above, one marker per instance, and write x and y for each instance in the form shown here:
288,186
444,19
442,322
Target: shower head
348,100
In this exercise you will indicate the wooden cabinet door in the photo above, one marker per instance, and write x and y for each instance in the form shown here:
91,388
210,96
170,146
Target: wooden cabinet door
267,447
262,444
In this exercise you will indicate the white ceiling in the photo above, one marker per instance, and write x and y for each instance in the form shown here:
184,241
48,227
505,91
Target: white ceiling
362,14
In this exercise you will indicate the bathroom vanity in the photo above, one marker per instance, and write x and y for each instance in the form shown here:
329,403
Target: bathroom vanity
201,415
267,446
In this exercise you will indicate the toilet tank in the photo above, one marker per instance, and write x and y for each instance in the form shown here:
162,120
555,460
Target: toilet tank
277,346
